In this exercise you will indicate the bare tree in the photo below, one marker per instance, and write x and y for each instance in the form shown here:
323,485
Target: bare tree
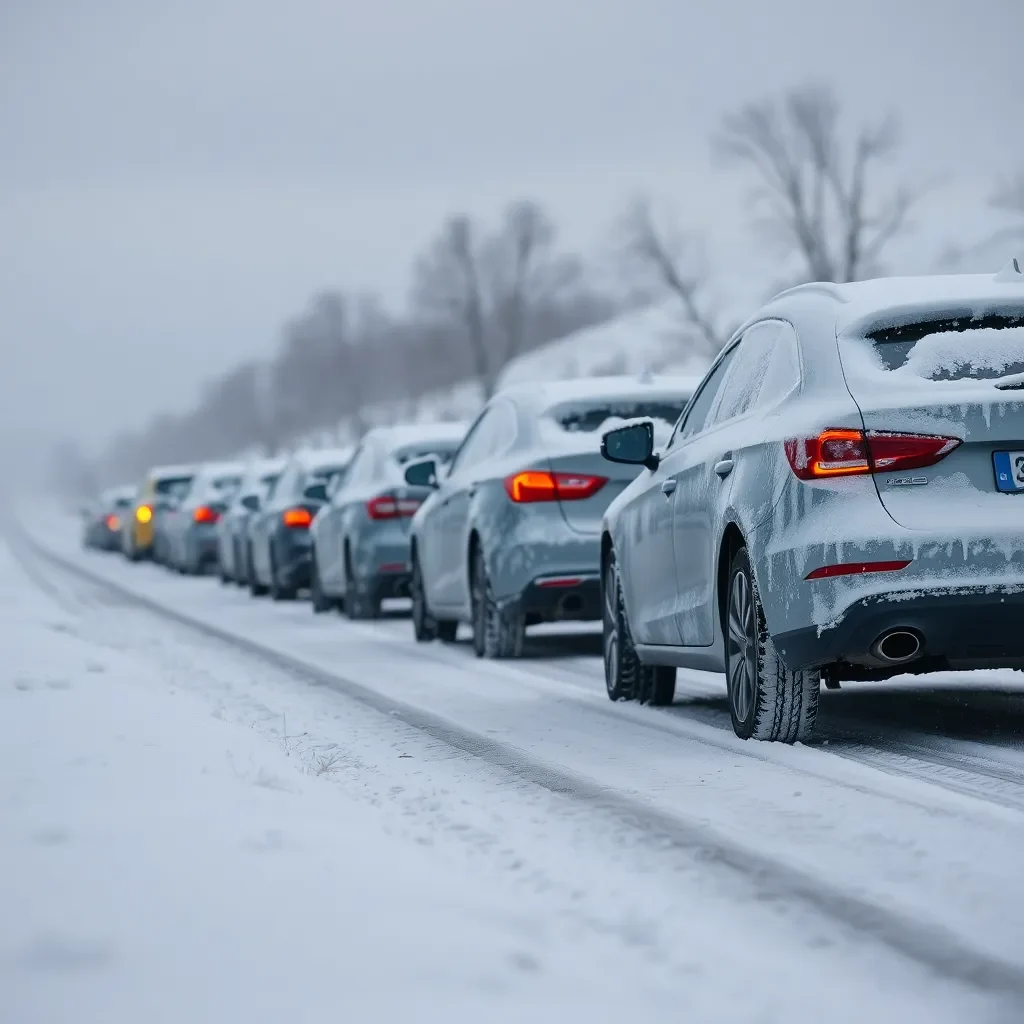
674,261
523,272
814,194
1010,195
447,283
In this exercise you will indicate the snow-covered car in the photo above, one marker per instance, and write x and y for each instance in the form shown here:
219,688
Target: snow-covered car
278,557
189,527
510,536
104,519
842,499
233,525
361,536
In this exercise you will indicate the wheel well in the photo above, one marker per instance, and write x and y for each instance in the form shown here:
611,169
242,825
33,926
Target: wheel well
412,550
732,541
606,550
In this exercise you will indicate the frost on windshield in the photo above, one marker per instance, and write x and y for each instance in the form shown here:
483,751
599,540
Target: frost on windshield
953,349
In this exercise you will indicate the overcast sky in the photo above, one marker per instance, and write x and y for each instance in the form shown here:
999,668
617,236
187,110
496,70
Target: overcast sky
177,177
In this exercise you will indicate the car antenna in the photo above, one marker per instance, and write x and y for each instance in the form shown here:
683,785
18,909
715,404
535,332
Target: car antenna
1010,274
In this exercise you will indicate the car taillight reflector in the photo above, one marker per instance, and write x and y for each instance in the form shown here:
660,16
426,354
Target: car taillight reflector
827,572
144,513
113,523
843,452
386,506
296,518
538,485
205,514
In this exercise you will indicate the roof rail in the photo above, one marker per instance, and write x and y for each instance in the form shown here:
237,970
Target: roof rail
1010,274
829,288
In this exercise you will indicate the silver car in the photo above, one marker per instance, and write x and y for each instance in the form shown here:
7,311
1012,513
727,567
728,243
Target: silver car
837,502
511,535
232,528
279,541
361,536
190,525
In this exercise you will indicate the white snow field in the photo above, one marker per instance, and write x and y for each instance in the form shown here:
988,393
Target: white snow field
223,809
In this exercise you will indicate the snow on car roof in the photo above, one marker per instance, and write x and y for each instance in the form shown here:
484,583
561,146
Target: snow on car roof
603,388
211,470
168,472
864,301
314,458
420,433
120,492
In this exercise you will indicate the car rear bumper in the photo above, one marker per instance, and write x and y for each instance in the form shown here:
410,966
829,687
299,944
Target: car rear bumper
563,597
966,627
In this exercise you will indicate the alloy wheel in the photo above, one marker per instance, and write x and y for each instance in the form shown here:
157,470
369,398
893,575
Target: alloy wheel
742,646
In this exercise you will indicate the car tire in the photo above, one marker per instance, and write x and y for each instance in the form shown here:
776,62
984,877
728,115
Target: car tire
318,600
447,630
279,592
256,588
498,630
622,668
767,701
424,626
242,565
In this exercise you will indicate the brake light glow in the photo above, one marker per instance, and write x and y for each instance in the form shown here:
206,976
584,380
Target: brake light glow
297,518
828,572
144,513
386,506
537,485
844,452
205,514
113,524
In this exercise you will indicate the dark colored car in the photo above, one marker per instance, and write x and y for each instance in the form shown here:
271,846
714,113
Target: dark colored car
105,519
361,535
279,542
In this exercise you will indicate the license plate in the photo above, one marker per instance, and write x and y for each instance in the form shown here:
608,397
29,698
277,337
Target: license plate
1009,468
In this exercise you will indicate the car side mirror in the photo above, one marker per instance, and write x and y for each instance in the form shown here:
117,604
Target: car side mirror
632,445
251,502
422,473
315,492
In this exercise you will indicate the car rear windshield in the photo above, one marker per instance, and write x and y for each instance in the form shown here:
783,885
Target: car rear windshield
123,502
588,416
173,484
443,450
954,347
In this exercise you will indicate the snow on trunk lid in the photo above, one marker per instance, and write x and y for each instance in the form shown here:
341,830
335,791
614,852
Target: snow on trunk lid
955,375
572,435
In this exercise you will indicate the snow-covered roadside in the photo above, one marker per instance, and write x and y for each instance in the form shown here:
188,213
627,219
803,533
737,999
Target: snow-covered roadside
195,839
158,863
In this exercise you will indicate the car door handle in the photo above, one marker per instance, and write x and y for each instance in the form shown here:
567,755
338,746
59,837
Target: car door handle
724,467
668,487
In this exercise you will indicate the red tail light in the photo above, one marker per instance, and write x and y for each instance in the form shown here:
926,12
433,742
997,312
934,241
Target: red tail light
537,485
113,524
297,518
841,452
386,506
205,514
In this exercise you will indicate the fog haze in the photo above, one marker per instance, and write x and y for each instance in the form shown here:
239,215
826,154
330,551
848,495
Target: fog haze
178,178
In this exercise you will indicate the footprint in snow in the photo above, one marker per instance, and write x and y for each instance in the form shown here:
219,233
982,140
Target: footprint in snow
58,684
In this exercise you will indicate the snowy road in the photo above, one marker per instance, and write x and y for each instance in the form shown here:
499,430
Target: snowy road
617,861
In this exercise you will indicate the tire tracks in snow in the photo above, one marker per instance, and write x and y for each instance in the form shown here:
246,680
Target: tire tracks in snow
936,948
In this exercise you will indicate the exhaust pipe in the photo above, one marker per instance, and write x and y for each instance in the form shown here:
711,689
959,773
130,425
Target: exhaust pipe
897,645
569,605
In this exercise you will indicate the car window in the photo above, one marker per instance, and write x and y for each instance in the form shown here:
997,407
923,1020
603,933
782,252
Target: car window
696,415
360,469
745,377
492,434
286,482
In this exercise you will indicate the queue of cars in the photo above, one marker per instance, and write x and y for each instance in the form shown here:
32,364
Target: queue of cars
836,499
